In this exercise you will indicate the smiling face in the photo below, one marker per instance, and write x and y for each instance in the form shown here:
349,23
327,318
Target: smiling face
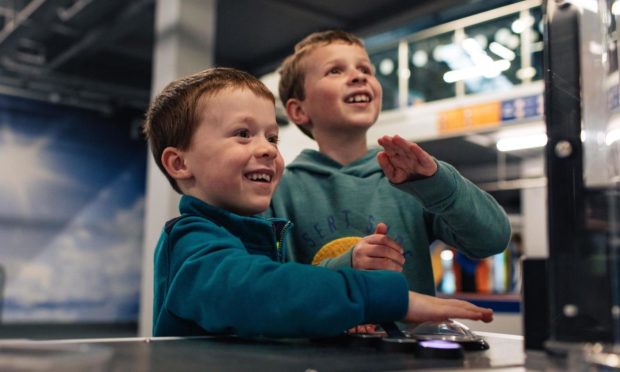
233,159
341,90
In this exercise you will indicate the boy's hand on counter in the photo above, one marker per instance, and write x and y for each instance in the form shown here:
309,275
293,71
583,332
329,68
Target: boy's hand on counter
402,160
378,252
363,328
423,308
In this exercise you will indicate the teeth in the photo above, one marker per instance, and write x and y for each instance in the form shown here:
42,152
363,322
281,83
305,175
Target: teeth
259,177
358,98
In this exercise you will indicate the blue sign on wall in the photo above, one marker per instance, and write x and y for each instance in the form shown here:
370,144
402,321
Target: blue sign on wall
522,108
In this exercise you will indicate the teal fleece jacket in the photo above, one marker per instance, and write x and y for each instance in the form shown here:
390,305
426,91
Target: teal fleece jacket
220,273
327,201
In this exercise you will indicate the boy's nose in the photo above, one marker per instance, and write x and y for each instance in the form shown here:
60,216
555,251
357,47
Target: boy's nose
358,77
266,149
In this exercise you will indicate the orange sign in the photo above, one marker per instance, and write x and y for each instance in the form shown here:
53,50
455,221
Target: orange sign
470,118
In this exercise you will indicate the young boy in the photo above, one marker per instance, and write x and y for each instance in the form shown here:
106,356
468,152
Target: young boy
218,267
343,192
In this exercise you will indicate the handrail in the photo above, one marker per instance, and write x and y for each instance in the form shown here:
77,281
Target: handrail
460,23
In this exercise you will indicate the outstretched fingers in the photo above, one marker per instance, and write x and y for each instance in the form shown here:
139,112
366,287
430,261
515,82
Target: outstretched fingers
402,160
467,310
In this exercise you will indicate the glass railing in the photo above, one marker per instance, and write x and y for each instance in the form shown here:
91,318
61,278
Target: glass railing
487,52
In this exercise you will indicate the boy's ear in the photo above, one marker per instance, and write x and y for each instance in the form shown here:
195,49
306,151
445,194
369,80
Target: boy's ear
174,163
296,112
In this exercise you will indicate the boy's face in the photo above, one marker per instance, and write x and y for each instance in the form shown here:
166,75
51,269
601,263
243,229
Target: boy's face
341,89
233,156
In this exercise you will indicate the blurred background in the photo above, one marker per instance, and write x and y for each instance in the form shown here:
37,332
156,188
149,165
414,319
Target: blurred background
79,206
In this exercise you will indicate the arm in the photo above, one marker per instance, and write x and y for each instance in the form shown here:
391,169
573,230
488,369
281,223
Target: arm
461,214
215,283
372,252
424,308
211,281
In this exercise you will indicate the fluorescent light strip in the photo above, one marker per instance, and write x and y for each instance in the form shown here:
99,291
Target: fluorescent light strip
615,8
488,70
521,143
612,136
502,51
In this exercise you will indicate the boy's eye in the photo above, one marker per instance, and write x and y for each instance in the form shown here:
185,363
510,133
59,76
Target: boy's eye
243,133
273,139
366,70
334,70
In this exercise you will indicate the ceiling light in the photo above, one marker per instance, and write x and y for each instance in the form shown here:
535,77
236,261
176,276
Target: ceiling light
404,73
502,51
526,73
481,40
419,58
519,25
513,42
615,8
488,70
502,35
612,136
529,141
446,255
439,52
386,66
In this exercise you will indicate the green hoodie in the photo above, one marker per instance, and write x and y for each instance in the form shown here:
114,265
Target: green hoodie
327,201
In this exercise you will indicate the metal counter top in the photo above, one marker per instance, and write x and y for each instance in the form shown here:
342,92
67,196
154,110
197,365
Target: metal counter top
234,354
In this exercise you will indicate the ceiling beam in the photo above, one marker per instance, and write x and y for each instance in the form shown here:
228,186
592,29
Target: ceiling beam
70,88
9,33
103,36
309,10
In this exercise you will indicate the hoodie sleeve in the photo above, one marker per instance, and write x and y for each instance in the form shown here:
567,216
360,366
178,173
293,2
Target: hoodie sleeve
215,283
462,214
344,260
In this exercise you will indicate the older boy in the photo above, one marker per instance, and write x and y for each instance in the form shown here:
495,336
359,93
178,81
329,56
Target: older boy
339,194
218,268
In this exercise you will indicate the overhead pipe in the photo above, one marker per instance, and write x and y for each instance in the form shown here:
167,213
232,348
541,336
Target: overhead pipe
26,12
109,32
66,14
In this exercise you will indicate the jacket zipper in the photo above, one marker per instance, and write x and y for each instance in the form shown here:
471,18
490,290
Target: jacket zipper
280,239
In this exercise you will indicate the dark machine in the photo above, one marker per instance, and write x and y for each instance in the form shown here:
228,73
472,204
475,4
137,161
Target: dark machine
573,297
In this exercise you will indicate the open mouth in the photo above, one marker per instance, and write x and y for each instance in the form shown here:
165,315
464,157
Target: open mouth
259,177
358,98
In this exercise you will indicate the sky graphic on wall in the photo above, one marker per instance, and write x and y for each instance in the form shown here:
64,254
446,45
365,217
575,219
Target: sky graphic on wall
72,187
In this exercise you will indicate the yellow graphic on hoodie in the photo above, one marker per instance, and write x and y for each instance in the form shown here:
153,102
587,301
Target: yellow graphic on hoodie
335,248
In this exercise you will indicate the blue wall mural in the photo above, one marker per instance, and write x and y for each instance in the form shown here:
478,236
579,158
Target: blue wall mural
71,213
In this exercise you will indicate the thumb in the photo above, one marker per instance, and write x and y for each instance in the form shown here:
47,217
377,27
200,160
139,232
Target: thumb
381,228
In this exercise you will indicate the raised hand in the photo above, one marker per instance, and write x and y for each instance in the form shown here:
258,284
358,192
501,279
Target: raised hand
378,252
402,160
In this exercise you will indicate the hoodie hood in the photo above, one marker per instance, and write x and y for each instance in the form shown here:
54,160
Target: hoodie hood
315,162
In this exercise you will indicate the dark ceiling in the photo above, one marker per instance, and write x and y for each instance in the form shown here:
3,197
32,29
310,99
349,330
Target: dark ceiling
98,53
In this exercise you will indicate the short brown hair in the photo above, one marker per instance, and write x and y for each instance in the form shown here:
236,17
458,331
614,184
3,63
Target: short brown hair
292,73
173,115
